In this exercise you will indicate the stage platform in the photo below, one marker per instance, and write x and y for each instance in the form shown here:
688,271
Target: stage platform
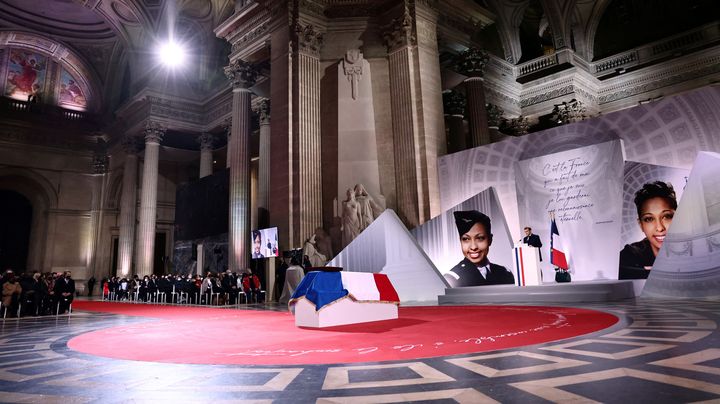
573,292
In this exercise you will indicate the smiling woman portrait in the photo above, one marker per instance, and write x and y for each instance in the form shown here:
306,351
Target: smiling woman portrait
656,204
475,269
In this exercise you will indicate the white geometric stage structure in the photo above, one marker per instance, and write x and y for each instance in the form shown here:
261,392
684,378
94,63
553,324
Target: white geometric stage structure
386,246
688,264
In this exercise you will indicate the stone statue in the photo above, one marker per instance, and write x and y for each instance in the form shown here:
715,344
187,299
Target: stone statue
350,226
369,209
310,249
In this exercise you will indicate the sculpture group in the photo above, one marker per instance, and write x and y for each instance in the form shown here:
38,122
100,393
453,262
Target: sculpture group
358,211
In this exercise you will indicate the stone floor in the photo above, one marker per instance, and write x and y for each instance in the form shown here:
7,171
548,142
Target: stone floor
660,351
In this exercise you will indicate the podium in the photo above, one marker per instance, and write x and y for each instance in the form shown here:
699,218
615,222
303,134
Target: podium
526,260
327,299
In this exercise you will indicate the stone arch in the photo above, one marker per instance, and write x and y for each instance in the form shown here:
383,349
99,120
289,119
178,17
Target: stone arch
43,198
64,55
559,19
592,26
532,22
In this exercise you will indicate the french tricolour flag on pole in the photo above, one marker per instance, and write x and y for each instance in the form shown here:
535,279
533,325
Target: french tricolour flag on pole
557,252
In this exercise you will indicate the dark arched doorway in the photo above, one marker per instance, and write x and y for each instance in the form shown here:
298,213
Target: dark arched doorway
16,219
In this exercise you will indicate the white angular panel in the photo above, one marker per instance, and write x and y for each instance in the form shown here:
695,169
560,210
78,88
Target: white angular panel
387,247
688,264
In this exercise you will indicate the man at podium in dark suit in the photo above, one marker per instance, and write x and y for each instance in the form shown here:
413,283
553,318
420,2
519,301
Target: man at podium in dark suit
532,240
475,240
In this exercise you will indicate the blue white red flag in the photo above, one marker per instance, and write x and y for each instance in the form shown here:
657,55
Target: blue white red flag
557,251
324,288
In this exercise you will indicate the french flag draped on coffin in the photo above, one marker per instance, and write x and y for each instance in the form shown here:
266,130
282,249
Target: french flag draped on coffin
326,299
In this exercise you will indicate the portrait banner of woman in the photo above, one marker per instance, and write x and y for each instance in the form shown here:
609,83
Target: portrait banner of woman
655,203
475,233
637,253
441,238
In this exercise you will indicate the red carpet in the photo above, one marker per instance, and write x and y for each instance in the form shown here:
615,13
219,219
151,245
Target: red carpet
217,336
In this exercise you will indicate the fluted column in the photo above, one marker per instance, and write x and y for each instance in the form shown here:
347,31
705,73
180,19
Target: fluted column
100,182
454,107
227,125
242,76
264,164
403,92
472,64
206,158
128,202
306,107
148,199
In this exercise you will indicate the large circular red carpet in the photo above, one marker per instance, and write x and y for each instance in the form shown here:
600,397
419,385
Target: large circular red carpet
215,336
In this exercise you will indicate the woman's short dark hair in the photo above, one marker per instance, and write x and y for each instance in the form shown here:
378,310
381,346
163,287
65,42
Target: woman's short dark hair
657,189
256,234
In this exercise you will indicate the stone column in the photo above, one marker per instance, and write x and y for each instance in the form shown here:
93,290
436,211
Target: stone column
263,198
307,213
148,199
100,182
454,106
206,158
242,76
403,94
430,107
227,125
128,203
471,63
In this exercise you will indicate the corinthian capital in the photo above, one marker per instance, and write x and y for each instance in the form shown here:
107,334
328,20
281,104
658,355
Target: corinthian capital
154,132
263,111
206,141
400,32
309,41
518,126
454,103
494,115
471,63
241,74
129,144
100,163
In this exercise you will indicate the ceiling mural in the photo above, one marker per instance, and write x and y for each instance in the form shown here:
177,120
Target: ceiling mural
69,93
26,72
38,78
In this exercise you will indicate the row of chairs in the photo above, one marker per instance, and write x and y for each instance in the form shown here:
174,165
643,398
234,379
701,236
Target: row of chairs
208,299
23,304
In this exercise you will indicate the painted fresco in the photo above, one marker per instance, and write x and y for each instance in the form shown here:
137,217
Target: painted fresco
26,74
70,95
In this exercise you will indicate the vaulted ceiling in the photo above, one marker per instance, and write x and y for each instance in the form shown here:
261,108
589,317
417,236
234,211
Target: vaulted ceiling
115,37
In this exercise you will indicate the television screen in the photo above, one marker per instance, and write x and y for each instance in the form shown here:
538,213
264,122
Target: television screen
264,243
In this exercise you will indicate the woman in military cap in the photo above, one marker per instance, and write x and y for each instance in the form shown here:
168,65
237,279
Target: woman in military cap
475,239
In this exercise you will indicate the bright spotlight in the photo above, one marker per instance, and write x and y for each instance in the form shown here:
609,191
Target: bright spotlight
171,54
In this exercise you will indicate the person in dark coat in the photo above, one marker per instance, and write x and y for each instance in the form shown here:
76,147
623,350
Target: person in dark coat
64,291
91,285
475,240
532,240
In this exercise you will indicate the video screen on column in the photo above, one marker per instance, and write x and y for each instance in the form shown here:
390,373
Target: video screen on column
264,243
